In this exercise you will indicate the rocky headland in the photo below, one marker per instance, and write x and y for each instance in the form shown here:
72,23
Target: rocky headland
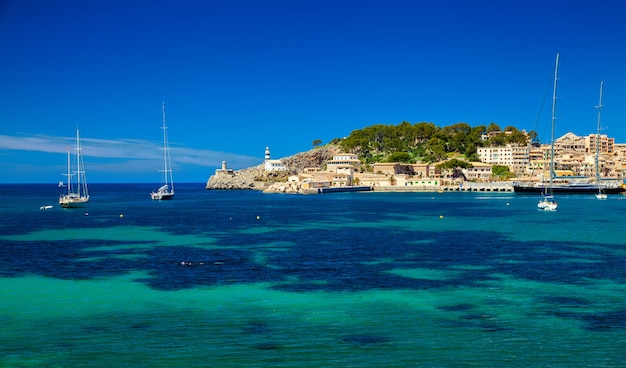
256,178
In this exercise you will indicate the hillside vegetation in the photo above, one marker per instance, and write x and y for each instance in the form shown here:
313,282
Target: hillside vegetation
426,142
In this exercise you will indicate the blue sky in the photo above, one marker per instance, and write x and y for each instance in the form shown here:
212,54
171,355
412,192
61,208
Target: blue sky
240,75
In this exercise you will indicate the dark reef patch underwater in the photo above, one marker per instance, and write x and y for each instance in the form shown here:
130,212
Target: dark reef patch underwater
241,278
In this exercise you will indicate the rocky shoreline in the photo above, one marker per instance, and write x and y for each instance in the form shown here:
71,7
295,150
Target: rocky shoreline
256,178
240,179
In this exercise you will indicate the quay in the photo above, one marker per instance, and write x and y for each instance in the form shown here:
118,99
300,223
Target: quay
480,187
502,187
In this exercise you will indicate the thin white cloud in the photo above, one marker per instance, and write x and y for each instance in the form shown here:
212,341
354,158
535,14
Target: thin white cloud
126,150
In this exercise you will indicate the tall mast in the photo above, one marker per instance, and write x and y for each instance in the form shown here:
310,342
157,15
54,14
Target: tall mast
69,172
167,171
164,142
556,77
78,168
599,107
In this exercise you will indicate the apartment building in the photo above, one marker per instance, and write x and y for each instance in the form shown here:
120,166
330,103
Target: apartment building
514,156
572,153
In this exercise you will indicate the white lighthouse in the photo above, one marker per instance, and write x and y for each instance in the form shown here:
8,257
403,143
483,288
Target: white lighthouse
273,165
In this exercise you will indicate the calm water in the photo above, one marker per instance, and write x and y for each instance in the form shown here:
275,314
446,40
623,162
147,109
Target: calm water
245,279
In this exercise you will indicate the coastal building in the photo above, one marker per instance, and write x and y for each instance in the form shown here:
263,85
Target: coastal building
577,155
619,160
340,171
343,161
418,176
312,169
605,144
424,184
340,179
478,172
315,179
516,157
418,170
224,170
568,143
386,168
572,154
371,180
273,165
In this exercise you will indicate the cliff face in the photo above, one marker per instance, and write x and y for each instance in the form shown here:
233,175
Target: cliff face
314,158
257,178
241,179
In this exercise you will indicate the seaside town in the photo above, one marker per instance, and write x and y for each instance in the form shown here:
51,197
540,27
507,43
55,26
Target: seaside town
591,158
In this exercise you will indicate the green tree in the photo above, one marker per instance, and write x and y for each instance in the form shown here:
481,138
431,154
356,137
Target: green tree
518,137
425,141
317,142
425,131
454,164
404,157
493,127
498,140
501,172
435,150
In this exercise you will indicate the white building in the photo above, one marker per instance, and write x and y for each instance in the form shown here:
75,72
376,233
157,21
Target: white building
515,157
273,165
478,171
343,161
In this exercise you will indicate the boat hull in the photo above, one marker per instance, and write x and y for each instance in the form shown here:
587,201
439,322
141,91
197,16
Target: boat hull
73,202
566,189
160,196
344,189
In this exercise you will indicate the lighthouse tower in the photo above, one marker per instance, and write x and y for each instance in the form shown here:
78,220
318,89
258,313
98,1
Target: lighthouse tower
273,165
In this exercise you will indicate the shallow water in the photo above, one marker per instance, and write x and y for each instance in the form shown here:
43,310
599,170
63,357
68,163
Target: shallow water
241,278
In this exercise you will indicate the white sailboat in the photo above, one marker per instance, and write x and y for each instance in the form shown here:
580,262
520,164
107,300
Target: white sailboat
600,194
547,201
166,191
77,194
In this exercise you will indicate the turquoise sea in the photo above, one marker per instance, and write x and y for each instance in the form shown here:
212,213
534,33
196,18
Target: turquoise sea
246,279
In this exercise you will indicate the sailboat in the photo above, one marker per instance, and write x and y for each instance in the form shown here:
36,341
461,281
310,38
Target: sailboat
600,194
166,191
547,201
77,195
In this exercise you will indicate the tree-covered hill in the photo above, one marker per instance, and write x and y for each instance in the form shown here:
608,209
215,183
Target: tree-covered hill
426,142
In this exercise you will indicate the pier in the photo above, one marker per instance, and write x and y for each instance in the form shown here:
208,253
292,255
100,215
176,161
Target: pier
464,187
480,187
